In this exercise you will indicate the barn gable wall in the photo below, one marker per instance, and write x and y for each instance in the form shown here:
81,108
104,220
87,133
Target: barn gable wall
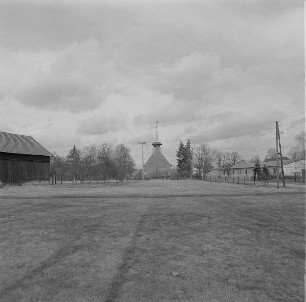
20,168
24,157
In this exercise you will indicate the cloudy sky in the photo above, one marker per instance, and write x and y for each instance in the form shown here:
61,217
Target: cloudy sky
219,72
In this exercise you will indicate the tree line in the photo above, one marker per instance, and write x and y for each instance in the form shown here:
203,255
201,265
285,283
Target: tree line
201,159
93,163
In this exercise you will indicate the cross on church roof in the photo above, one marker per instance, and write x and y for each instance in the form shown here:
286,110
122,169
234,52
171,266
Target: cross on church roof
157,143
156,134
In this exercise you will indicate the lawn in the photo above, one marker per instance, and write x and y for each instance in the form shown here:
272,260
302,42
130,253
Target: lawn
152,241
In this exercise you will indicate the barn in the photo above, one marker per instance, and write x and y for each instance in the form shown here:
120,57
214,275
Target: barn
22,159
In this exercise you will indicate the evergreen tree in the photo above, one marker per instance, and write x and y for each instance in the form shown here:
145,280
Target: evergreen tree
180,158
184,159
73,160
257,169
188,154
265,171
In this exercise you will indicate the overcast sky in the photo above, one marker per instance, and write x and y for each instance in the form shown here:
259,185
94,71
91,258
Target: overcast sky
218,72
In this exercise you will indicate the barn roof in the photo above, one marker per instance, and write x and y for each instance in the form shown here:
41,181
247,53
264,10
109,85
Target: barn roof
21,144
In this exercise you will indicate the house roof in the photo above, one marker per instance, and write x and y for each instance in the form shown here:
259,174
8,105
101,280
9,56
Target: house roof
21,144
246,165
243,165
274,159
290,161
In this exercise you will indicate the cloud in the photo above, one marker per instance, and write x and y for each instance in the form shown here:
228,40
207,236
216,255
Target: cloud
72,96
189,77
238,124
37,26
168,114
78,77
210,70
102,125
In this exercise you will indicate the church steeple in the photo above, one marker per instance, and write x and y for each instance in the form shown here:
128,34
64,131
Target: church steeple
157,143
157,165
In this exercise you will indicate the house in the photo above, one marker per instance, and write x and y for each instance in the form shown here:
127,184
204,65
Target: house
244,168
22,159
295,168
272,165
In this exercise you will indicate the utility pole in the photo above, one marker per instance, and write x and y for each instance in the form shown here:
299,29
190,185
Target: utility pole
277,159
142,143
281,156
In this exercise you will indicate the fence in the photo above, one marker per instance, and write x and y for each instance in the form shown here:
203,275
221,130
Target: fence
250,180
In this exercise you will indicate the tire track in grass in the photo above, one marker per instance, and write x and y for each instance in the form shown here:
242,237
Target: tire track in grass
128,260
68,249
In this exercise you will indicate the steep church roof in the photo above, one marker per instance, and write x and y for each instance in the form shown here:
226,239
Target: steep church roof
157,165
157,159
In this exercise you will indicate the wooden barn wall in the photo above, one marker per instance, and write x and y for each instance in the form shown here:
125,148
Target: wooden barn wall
24,157
18,172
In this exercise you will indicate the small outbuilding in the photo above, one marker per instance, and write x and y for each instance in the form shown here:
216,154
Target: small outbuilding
22,159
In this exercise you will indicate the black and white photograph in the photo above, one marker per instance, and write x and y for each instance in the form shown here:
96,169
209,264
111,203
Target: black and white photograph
152,150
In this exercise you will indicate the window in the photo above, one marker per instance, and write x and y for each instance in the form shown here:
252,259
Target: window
246,171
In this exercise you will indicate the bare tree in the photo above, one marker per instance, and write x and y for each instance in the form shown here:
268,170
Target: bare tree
105,165
124,164
228,159
255,158
298,152
203,159
58,167
90,159
271,153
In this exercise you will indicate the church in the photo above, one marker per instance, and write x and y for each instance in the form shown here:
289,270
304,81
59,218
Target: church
157,165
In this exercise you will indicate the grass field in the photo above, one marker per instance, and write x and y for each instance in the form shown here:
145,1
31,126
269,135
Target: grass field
152,241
